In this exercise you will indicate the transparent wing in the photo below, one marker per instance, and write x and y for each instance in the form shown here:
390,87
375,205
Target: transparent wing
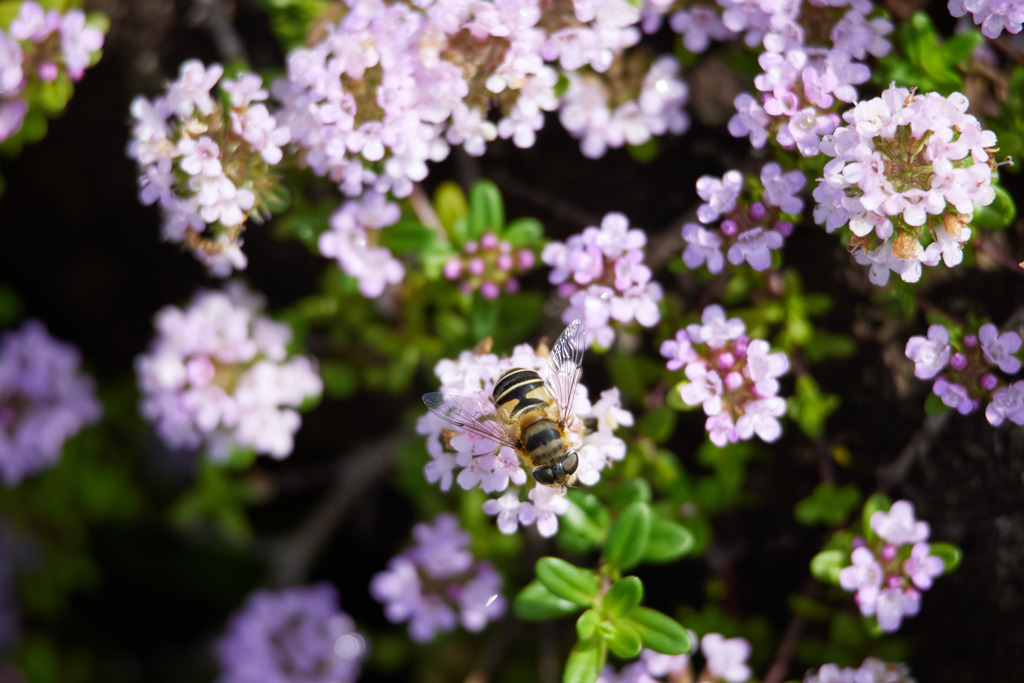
468,414
565,365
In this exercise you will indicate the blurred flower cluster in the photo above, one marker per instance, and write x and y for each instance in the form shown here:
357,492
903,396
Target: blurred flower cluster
41,47
725,659
44,400
295,635
871,670
436,585
219,376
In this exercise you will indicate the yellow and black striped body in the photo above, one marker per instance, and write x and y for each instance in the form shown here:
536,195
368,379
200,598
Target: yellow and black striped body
531,418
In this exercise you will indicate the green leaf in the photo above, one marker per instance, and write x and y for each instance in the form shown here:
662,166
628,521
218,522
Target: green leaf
659,425
450,205
877,502
999,214
623,638
536,603
668,541
486,209
406,236
810,407
627,538
630,491
524,232
585,661
585,523
624,595
660,632
950,554
828,504
586,625
340,379
10,306
933,406
826,565
568,581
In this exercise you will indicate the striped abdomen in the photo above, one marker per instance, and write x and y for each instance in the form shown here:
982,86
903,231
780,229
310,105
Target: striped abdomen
522,396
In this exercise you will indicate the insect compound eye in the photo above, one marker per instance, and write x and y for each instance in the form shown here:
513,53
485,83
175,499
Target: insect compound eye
546,475
570,462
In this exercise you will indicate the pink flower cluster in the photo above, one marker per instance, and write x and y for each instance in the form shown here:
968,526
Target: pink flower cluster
392,86
725,659
602,273
353,240
495,468
296,635
609,109
218,376
41,45
871,670
488,265
908,168
436,585
992,15
889,572
44,400
733,377
208,167
811,63
968,371
750,229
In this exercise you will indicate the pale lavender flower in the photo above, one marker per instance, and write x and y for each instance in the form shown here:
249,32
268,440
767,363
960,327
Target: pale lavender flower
218,376
77,41
1007,404
954,395
297,635
726,657
889,572
865,185
179,141
992,15
719,195
872,670
733,378
352,241
930,354
999,349
436,584
44,400
602,273
898,526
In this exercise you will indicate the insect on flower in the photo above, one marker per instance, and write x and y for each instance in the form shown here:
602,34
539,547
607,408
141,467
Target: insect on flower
527,412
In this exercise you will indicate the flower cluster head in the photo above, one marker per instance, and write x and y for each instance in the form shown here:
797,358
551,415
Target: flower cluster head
44,400
489,265
725,660
393,86
733,377
811,64
602,273
964,370
436,585
906,175
218,376
627,105
891,566
41,46
209,167
296,635
750,228
992,15
353,239
871,670
495,468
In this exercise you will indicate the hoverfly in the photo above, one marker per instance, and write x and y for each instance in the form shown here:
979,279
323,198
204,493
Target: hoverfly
527,412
